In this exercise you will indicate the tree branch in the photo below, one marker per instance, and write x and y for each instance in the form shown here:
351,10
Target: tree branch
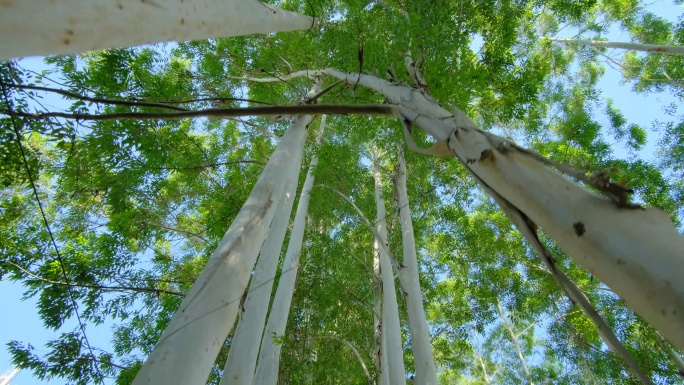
105,288
330,109
73,95
352,348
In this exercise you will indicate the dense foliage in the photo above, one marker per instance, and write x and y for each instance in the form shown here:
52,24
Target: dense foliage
137,206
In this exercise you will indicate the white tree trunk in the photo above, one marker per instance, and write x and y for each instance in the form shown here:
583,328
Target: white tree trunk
420,332
379,353
188,347
269,356
244,350
679,362
391,330
650,48
48,27
637,252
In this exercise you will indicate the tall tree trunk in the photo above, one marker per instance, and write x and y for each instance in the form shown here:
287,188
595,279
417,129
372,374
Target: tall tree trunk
186,351
391,330
48,27
269,356
651,48
244,350
379,351
420,332
636,251
514,340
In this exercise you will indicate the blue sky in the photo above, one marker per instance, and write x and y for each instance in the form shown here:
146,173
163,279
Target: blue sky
19,319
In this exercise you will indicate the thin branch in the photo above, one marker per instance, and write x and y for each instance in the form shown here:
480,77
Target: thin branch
73,95
208,165
193,236
514,339
393,259
352,348
650,48
307,73
330,109
482,364
105,288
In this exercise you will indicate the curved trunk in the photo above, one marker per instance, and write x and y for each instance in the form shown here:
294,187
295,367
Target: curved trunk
48,27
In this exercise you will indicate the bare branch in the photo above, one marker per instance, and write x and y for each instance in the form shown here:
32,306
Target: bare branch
331,109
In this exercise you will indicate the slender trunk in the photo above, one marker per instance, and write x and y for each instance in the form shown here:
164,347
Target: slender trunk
379,354
384,370
269,356
514,340
420,332
390,311
650,48
48,27
188,347
242,357
380,334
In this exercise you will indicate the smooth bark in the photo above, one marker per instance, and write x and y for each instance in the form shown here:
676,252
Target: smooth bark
391,328
48,27
650,48
244,350
420,332
187,349
380,346
269,356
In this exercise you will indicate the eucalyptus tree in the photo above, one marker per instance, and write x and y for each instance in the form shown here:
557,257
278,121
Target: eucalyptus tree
133,175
